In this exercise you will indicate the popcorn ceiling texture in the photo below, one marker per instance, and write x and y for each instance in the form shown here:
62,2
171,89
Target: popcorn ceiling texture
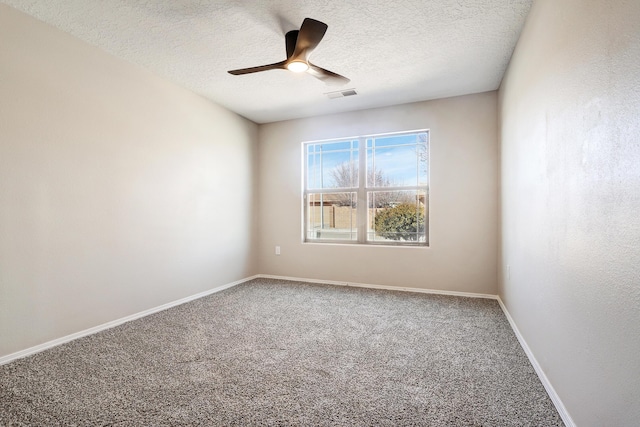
393,52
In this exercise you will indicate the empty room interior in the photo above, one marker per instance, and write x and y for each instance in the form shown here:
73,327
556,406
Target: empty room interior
176,246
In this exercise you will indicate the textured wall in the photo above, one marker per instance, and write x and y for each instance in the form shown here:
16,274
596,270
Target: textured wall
571,202
463,199
115,188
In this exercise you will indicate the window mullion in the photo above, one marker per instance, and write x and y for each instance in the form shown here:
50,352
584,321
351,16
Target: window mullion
362,206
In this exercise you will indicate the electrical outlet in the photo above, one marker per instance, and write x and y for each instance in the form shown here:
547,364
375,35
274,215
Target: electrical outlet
277,250
508,272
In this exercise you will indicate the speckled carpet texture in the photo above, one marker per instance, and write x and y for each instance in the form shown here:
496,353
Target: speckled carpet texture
277,353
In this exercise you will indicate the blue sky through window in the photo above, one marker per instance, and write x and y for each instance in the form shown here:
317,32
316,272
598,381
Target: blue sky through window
401,159
324,158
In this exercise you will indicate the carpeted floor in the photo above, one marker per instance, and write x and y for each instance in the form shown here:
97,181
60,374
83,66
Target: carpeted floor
282,353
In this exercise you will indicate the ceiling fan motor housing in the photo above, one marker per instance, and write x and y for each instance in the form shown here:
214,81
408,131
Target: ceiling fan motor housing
299,45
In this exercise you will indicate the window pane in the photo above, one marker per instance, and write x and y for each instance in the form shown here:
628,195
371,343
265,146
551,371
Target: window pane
395,185
422,150
331,216
397,216
395,161
332,165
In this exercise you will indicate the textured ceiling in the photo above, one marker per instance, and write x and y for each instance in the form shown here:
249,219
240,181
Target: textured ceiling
393,52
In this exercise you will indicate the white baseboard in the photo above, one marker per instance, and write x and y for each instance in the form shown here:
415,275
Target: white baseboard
562,410
390,288
53,343
566,418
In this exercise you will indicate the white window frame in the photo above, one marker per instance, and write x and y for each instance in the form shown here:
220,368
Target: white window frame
361,191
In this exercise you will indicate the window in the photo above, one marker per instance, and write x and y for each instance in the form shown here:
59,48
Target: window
370,189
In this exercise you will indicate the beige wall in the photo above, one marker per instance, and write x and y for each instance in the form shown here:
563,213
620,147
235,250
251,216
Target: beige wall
570,109
118,190
463,207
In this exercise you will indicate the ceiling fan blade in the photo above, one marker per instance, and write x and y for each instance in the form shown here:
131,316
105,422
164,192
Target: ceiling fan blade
329,77
310,34
275,66
299,45
290,40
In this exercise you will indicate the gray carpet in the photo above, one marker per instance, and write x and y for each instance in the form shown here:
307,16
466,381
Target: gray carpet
282,353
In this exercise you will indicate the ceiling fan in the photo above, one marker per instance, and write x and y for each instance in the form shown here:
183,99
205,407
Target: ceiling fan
300,44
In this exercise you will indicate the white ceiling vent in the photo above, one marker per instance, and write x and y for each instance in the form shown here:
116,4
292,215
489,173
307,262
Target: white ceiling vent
341,93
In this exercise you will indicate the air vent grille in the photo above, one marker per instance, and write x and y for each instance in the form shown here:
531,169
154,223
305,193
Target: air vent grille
341,93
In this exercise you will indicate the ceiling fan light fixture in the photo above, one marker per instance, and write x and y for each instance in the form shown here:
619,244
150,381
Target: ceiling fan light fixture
297,66
299,45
